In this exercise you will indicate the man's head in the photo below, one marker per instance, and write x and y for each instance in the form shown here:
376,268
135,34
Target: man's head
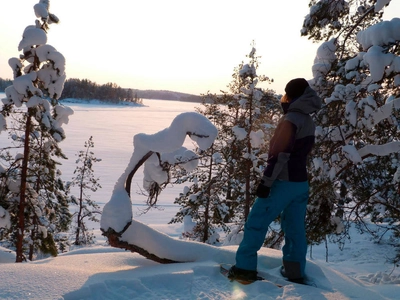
296,87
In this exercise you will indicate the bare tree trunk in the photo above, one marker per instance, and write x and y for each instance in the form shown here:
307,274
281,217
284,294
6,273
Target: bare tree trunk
247,185
207,205
206,219
35,222
77,232
114,241
33,237
248,165
79,217
22,199
31,247
247,199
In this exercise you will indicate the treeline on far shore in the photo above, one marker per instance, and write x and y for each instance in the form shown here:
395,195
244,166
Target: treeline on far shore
110,92
89,90
4,83
85,89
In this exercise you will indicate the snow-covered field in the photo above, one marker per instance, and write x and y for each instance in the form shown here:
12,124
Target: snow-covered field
360,271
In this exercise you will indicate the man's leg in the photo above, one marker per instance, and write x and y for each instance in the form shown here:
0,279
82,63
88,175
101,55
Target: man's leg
293,225
263,212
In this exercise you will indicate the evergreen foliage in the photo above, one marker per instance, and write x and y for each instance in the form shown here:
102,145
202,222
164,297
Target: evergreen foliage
223,186
86,182
354,177
32,192
88,90
4,83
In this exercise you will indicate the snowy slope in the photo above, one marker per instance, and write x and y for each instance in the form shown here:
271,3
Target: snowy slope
102,272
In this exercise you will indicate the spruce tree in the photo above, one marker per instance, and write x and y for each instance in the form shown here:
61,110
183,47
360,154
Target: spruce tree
33,192
355,166
85,181
223,185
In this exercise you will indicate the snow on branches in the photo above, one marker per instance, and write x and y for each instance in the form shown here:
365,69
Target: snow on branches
357,155
39,73
117,213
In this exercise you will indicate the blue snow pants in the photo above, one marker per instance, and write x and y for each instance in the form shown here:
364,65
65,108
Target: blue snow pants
290,200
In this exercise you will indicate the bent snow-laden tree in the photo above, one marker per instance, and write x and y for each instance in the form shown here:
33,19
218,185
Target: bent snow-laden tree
32,192
356,166
156,152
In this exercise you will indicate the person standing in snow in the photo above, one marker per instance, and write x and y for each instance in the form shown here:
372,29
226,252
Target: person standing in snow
283,188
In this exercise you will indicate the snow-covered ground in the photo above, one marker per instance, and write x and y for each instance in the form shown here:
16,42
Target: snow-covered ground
359,271
102,272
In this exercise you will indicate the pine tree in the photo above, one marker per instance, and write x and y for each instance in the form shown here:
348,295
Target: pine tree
33,192
224,182
356,159
85,181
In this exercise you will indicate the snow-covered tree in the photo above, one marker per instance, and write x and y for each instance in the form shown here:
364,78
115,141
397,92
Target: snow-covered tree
223,185
85,181
32,191
355,167
156,152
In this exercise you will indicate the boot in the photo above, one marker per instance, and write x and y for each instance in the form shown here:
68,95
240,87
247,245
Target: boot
299,280
236,273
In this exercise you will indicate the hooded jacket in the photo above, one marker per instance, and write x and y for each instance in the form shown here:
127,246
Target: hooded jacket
293,140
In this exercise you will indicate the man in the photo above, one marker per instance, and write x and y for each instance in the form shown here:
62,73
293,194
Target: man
283,188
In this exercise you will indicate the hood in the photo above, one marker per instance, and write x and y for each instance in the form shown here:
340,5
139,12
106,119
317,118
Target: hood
307,103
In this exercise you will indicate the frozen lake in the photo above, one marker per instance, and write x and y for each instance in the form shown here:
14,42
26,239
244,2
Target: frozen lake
113,128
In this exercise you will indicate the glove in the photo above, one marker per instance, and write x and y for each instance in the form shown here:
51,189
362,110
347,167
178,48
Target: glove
262,190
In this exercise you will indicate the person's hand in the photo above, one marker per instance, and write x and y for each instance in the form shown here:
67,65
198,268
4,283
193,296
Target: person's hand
262,190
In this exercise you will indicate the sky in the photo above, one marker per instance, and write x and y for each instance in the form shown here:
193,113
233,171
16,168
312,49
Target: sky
178,45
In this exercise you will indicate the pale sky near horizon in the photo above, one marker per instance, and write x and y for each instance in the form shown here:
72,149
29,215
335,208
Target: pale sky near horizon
177,45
